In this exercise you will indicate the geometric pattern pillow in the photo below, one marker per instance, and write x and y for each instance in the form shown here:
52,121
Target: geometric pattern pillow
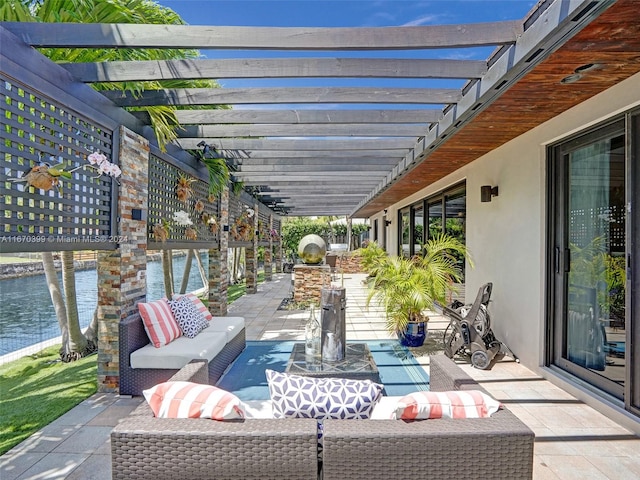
189,319
454,404
193,400
199,305
296,396
159,323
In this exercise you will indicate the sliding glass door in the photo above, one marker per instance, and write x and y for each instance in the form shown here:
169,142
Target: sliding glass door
590,334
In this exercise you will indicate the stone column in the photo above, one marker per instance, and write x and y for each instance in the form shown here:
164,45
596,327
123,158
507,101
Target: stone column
218,270
251,256
309,280
122,273
268,255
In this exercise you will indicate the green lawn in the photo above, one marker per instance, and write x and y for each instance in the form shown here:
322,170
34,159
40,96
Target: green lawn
234,292
37,389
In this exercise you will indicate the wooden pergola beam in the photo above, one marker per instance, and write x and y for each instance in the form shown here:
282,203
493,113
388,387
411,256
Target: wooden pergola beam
265,38
396,154
325,161
307,130
299,116
297,145
276,95
189,69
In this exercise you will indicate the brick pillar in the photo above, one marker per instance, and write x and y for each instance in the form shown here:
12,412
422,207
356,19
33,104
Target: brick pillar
309,280
218,270
251,256
268,254
122,279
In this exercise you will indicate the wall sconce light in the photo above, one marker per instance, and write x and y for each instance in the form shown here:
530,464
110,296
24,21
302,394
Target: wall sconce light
387,222
385,211
486,192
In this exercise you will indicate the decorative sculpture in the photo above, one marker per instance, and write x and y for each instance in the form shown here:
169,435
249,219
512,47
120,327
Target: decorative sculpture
312,249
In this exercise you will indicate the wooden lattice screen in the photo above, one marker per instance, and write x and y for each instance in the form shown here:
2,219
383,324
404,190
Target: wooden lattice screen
241,221
42,211
264,230
277,227
200,209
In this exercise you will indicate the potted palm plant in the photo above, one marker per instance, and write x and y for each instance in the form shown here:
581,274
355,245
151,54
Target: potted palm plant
407,288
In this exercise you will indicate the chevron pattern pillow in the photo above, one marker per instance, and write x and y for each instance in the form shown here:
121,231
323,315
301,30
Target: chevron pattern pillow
190,320
296,396
198,303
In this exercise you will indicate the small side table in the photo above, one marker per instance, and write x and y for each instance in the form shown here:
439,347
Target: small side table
358,364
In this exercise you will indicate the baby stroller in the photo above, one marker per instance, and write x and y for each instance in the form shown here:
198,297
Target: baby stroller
469,331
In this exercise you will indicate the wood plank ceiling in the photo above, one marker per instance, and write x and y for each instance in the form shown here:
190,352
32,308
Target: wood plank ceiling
355,150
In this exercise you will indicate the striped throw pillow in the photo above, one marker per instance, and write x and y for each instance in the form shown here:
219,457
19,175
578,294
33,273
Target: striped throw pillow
193,400
199,305
159,322
453,404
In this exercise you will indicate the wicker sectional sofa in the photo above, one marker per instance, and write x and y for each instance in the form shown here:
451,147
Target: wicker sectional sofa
145,447
219,344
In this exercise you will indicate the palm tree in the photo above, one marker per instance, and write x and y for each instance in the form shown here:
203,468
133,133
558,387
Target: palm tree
408,287
75,344
163,118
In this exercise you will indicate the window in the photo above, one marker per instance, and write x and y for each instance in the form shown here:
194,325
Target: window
425,219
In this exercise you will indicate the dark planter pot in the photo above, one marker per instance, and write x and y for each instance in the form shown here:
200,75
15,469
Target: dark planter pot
414,335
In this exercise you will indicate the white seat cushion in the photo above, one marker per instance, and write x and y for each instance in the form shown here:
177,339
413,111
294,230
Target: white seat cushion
232,326
179,352
385,408
260,409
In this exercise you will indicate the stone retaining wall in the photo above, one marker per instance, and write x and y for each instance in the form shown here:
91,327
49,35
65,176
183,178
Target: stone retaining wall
348,262
27,269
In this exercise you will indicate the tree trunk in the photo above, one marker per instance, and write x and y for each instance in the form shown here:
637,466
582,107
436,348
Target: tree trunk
203,272
77,345
236,264
91,333
167,270
349,230
187,272
56,295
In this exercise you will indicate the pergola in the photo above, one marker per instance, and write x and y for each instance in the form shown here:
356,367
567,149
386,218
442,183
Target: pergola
332,157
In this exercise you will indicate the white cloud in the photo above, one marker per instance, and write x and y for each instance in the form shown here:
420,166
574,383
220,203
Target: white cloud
423,20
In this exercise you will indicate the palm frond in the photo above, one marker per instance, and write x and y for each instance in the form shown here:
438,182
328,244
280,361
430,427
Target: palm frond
219,175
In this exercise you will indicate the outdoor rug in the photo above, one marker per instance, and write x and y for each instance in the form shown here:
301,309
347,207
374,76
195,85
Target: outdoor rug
399,371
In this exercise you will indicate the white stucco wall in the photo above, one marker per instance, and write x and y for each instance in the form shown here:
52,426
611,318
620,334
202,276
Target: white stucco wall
507,236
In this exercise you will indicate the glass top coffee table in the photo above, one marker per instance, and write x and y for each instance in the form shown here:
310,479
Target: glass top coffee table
358,364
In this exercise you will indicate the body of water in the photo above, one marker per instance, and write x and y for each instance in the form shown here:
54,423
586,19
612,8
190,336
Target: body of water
27,316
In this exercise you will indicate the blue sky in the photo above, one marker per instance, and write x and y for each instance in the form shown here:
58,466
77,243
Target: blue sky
347,13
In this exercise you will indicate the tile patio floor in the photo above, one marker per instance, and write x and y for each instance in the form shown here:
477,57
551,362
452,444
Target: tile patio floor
573,441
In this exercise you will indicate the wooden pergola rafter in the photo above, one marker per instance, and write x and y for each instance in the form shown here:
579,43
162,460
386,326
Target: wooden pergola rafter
343,134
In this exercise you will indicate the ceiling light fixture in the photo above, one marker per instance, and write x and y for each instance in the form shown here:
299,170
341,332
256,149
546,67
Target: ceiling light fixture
571,78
